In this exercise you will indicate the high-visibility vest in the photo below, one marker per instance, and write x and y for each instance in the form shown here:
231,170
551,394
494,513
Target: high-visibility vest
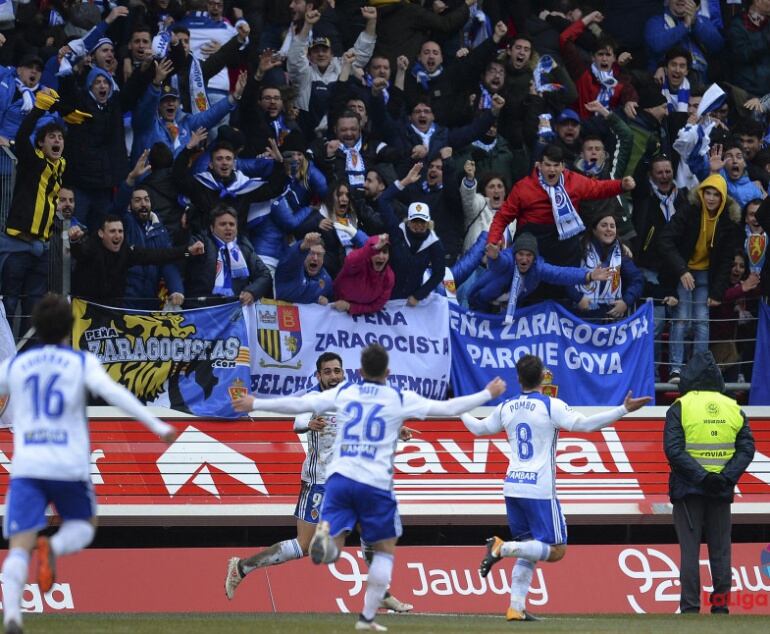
711,422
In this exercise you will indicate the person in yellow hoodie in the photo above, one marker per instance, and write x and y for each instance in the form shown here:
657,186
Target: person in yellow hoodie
696,247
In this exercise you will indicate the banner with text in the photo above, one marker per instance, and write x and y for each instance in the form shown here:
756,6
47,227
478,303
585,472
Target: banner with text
587,364
286,339
760,377
193,361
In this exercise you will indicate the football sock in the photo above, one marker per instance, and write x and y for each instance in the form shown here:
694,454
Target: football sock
377,583
74,535
521,578
15,570
532,550
368,552
276,554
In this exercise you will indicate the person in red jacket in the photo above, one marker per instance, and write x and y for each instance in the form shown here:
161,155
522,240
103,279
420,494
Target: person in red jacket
601,80
366,280
546,203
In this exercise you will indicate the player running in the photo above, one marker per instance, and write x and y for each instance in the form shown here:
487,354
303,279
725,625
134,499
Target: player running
321,430
359,486
52,451
532,422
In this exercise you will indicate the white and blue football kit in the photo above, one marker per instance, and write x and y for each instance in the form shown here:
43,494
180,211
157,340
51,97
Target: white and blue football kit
319,452
359,485
532,423
51,444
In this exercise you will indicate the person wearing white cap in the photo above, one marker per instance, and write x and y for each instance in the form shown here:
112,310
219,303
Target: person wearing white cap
414,245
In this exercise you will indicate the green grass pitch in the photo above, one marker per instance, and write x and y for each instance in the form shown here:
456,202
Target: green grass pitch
397,623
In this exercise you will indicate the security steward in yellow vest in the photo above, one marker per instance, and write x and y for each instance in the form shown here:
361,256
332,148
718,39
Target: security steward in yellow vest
709,445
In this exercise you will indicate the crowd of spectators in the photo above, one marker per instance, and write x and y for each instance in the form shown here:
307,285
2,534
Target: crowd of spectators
346,152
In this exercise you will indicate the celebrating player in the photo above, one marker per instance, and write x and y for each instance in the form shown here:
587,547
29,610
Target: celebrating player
321,430
359,486
52,451
532,423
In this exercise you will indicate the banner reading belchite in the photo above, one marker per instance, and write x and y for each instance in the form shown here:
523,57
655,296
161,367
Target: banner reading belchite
194,361
587,364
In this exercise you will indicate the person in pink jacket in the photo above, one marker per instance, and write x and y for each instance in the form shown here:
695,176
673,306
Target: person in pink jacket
366,280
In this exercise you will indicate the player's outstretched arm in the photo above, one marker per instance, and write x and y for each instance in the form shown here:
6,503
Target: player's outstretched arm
100,383
484,427
310,402
460,404
574,421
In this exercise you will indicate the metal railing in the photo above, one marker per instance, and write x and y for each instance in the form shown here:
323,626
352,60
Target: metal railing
8,163
59,257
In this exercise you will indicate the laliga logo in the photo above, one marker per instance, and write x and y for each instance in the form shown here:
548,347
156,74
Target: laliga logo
59,597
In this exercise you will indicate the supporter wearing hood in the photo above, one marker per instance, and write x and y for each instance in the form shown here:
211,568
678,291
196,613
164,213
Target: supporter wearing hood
696,247
709,445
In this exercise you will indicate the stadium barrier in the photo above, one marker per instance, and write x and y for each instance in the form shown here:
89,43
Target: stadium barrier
632,579
243,473
8,163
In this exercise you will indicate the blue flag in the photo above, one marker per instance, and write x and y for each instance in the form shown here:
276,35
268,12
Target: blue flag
586,364
194,361
760,377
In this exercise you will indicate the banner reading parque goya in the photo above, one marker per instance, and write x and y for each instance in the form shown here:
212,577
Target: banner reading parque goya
587,364
193,361
286,339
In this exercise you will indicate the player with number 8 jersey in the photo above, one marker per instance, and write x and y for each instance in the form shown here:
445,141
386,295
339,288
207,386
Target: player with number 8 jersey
532,422
359,485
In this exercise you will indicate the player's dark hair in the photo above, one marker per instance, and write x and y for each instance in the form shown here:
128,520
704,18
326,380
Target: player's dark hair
325,358
374,361
52,319
530,371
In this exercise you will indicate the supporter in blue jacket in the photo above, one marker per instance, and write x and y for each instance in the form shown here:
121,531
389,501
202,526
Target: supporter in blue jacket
682,25
159,118
300,276
457,274
524,263
17,94
142,228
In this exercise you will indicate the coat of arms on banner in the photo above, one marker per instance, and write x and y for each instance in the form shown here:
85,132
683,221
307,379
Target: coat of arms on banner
549,389
279,334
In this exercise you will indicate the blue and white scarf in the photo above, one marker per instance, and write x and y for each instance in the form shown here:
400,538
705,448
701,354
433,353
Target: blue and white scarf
240,185
478,27
486,147
678,101
666,201
424,136
485,98
161,44
544,66
231,265
422,76
27,95
517,286
369,80
281,129
354,164
55,18
607,81
567,220
607,291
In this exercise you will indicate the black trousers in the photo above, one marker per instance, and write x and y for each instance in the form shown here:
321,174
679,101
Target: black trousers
694,516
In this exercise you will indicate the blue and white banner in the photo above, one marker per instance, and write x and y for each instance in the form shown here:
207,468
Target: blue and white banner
587,364
286,339
760,377
193,361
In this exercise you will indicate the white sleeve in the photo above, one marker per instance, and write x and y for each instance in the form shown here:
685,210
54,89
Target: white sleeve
301,423
4,376
297,64
310,402
567,418
99,382
363,48
486,426
459,405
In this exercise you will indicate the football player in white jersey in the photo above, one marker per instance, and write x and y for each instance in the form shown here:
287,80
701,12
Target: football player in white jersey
322,430
51,462
359,485
532,422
